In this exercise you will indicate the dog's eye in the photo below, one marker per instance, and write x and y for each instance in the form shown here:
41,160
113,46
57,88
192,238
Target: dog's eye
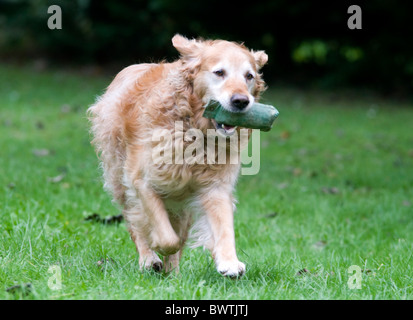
219,73
249,76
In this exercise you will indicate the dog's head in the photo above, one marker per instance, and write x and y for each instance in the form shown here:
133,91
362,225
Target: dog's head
223,71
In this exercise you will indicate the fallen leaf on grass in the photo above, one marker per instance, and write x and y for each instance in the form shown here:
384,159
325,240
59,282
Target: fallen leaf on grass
39,125
319,244
102,262
407,203
109,220
368,272
302,272
11,185
313,174
271,215
282,185
56,179
330,190
285,134
93,217
66,185
265,143
65,108
41,152
25,289
331,174
305,272
398,162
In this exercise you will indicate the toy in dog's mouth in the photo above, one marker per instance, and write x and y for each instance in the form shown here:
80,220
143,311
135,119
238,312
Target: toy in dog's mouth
224,129
258,116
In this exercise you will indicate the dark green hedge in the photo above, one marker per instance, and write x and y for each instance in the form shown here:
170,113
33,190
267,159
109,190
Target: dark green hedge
307,41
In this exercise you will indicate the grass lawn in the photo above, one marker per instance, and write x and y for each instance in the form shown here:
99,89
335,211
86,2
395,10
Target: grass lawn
335,190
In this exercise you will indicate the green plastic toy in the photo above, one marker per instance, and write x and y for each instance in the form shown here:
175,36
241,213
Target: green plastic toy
258,116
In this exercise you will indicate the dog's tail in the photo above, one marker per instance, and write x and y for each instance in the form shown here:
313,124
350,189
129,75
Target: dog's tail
106,133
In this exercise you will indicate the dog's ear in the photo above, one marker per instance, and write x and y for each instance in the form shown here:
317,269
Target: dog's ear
260,57
185,46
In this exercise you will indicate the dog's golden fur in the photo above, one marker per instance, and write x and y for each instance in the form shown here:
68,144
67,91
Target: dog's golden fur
161,202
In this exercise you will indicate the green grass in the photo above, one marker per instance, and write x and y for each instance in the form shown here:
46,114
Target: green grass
335,189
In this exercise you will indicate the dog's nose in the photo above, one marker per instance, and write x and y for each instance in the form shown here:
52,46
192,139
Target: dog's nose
239,101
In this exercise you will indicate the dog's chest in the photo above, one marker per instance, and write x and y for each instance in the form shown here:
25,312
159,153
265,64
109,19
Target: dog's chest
176,181
182,181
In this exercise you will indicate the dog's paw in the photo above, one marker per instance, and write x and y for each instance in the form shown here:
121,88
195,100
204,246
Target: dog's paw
157,266
232,269
151,263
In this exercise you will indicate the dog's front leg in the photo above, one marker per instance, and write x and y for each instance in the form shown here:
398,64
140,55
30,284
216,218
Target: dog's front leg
163,237
219,211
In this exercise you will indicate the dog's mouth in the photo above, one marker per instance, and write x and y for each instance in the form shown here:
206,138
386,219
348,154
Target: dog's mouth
224,129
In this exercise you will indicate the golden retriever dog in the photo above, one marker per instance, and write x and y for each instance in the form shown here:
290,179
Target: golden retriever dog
164,204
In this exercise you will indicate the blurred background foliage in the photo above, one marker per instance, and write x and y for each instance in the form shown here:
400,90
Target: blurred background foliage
308,42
